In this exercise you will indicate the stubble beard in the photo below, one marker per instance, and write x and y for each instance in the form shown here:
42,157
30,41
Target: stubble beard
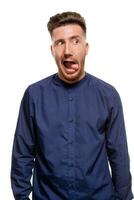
71,78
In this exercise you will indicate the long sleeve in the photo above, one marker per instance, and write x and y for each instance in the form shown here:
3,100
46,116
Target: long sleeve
23,151
118,151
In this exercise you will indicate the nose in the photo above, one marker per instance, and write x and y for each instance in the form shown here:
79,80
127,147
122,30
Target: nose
67,49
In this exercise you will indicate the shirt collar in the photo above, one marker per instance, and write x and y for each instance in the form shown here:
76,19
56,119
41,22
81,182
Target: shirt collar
58,81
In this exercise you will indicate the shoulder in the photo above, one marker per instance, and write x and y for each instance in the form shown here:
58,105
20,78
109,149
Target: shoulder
102,86
42,83
104,89
36,88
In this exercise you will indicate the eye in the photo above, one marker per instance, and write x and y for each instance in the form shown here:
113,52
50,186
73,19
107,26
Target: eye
76,41
59,42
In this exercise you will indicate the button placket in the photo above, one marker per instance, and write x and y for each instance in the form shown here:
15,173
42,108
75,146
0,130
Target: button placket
71,129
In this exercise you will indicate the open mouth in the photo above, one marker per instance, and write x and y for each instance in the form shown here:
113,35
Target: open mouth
70,65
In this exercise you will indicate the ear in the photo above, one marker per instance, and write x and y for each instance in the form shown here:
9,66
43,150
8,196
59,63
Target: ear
87,48
52,50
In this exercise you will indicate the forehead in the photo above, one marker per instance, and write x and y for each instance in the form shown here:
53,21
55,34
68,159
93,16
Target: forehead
67,31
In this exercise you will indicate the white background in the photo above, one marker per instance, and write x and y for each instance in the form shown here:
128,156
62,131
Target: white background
25,58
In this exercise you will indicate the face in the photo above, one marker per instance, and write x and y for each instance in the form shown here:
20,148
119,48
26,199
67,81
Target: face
69,49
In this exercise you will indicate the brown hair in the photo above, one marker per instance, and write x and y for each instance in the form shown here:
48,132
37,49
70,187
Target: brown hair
65,18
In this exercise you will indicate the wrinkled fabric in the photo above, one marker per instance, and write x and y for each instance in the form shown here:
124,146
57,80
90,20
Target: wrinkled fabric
72,139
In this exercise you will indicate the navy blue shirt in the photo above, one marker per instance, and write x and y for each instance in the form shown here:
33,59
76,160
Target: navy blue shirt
72,138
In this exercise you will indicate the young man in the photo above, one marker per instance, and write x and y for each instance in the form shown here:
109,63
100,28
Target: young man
70,127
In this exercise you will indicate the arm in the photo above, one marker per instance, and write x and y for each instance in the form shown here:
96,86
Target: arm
117,150
23,151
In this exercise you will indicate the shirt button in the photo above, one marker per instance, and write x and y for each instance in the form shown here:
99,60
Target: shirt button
70,120
70,98
70,142
70,186
71,165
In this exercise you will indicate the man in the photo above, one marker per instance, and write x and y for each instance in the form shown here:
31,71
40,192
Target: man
70,128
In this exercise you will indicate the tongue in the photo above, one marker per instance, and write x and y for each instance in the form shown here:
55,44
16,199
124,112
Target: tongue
74,66
71,65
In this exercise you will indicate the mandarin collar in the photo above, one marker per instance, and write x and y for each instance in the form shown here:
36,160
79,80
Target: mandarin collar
58,81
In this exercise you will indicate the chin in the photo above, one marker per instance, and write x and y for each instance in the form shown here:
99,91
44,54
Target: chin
71,77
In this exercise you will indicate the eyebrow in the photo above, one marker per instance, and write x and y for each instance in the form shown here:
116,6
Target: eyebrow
75,36
72,37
